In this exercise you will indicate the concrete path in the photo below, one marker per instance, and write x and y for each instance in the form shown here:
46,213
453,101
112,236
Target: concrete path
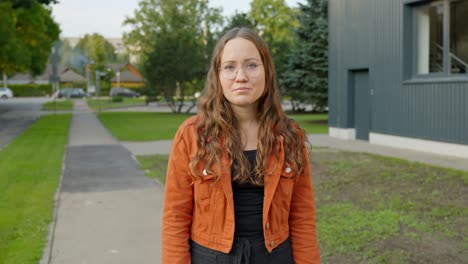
108,211
322,140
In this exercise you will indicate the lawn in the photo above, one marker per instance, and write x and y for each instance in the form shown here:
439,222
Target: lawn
154,166
106,103
373,209
58,105
312,123
30,170
137,126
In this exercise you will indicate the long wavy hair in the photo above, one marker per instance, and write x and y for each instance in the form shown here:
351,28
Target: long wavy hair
218,129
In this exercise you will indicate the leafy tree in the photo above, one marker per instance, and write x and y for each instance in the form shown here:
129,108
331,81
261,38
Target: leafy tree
239,20
28,34
175,39
276,22
306,76
96,49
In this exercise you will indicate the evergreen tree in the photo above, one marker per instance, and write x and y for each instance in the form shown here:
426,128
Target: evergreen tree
306,77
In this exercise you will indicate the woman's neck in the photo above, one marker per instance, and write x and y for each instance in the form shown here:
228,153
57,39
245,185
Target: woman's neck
248,125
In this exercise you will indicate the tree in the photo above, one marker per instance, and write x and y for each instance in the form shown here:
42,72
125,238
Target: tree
28,34
275,22
95,49
175,39
306,76
239,20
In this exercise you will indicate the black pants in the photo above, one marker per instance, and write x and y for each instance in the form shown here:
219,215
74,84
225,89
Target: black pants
244,251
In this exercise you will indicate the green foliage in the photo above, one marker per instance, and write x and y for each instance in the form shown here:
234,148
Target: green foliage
175,39
276,22
28,180
117,99
96,49
30,90
306,77
28,32
239,20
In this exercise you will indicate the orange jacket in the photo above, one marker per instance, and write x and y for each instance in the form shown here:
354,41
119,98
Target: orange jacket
203,210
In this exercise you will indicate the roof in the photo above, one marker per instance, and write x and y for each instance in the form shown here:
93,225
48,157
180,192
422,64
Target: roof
128,76
71,76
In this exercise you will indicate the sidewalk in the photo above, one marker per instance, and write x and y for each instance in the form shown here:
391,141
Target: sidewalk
107,211
322,140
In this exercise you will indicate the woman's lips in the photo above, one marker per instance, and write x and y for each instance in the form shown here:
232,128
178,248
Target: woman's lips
242,89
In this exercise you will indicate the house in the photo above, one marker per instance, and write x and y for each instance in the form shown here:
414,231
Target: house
398,73
126,75
66,75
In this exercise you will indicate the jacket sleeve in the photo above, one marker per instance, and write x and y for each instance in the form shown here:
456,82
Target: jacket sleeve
302,219
178,204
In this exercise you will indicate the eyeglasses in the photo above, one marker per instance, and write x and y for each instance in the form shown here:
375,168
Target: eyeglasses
229,70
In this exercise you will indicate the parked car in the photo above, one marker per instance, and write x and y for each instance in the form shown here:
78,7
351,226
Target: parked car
6,93
123,92
77,93
71,93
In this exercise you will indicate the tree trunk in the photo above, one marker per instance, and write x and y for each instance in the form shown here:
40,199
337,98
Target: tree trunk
4,80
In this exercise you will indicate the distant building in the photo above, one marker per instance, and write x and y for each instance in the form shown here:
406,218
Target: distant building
66,75
398,73
126,75
117,43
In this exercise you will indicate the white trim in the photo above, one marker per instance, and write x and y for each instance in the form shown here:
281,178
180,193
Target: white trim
342,133
430,146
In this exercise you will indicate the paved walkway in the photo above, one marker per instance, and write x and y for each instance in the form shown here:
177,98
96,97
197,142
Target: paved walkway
322,140
108,211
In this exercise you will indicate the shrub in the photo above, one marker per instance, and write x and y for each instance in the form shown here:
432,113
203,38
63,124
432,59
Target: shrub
30,90
117,99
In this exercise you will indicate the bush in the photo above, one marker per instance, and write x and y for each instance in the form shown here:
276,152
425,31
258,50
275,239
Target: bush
30,90
117,99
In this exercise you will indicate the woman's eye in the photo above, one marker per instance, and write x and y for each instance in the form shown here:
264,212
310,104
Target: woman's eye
252,65
229,68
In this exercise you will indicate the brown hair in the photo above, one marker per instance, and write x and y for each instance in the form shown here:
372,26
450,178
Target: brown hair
217,127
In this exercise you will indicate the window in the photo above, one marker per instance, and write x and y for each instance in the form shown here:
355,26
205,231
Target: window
441,39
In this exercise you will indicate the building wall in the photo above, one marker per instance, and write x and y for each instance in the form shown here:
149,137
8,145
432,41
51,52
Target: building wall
373,35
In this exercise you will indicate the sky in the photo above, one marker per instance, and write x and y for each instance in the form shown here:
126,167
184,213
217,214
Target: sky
80,17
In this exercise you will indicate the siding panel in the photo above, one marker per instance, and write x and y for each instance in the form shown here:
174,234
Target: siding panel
370,34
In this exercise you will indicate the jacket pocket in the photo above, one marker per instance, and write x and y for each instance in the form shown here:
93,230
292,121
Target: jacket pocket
203,186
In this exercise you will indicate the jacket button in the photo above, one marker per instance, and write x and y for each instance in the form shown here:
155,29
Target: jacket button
205,172
288,170
272,243
267,225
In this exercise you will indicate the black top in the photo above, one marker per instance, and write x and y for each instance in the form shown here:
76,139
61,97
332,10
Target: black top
248,204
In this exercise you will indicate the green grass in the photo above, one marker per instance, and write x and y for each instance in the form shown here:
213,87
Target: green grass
135,126
154,166
58,105
30,169
312,123
108,104
374,209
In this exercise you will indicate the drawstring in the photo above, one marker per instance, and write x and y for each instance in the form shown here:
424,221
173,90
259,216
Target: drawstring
244,247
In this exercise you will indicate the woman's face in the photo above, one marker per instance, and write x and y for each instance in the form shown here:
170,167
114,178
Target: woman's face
242,74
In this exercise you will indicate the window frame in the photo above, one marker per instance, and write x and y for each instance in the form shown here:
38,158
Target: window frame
410,54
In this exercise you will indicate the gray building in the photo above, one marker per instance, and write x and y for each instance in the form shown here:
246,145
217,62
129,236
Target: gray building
398,73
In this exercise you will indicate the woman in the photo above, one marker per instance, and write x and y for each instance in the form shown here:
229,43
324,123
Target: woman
238,187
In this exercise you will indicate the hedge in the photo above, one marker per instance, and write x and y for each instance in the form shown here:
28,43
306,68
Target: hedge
30,90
